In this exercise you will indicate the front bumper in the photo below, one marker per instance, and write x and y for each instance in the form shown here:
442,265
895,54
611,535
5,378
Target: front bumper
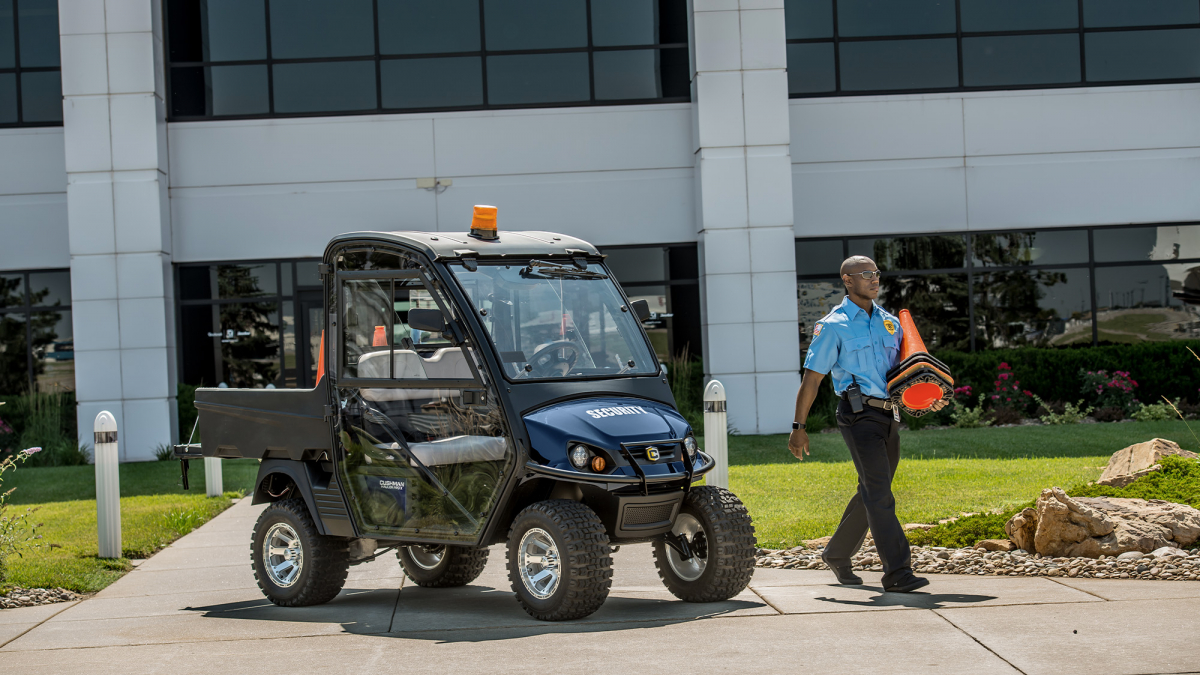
617,481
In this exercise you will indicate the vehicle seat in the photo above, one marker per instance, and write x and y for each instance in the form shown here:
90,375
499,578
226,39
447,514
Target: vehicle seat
445,363
456,450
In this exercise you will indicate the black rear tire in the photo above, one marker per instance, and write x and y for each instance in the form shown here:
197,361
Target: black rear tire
454,566
574,548
322,561
724,548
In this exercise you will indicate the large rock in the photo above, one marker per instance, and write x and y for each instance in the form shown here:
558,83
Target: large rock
1129,464
1094,526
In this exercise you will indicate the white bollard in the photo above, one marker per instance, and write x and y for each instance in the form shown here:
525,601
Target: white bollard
108,486
716,433
214,483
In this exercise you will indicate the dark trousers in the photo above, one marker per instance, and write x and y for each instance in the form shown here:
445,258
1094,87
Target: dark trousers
874,440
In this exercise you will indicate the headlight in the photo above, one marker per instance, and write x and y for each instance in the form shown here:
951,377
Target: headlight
689,444
579,457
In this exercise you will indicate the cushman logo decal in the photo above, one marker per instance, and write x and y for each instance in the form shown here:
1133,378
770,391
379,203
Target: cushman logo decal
620,410
652,454
391,485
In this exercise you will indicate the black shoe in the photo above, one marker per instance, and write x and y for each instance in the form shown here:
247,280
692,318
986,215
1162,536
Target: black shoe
844,573
907,584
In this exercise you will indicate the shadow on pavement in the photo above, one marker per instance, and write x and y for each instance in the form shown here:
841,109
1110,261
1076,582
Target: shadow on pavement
467,614
913,600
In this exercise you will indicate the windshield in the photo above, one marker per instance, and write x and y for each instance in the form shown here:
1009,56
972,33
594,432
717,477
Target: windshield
550,320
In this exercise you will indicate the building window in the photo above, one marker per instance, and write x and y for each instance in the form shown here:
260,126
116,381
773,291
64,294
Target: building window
1044,288
273,58
847,47
249,324
37,351
30,80
668,279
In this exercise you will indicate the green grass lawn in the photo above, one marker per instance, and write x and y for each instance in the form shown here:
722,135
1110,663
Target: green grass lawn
155,510
942,472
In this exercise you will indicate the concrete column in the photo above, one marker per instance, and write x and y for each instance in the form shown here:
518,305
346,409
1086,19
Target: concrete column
114,120
744,188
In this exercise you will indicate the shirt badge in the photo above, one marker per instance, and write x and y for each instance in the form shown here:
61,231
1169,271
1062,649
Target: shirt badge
816,330
890,326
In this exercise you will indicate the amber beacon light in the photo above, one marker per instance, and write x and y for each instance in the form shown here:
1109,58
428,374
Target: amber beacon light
918,380
483,222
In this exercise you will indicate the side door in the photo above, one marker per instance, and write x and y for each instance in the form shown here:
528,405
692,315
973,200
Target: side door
424,446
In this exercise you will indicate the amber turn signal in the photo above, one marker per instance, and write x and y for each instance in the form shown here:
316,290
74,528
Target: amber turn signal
598,464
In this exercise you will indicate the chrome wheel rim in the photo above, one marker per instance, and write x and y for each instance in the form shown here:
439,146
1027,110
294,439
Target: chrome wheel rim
537,558
690,529
427,557
283,555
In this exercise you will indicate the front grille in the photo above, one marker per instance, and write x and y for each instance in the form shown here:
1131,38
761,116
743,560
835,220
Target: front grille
645,515
666,452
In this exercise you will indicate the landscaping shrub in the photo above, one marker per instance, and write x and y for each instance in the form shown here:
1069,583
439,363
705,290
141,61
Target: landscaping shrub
1109,391
1049,408
1007,392
15,530
185,400
1155,412
963,532
1178,481
966,417
1111,413
1071,414
46,421
1160,368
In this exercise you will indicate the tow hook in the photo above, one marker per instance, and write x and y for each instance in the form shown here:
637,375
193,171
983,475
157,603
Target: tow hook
679,543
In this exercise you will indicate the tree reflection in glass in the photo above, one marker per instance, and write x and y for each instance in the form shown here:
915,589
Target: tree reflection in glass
250,356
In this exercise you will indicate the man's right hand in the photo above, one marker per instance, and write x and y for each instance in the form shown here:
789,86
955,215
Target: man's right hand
798,444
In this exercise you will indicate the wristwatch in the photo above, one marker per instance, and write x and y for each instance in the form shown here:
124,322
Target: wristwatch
797,425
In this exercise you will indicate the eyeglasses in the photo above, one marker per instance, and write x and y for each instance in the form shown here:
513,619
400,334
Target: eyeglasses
868,274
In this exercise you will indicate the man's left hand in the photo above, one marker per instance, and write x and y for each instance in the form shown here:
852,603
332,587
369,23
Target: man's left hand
939,404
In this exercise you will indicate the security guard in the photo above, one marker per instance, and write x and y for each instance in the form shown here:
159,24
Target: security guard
858,342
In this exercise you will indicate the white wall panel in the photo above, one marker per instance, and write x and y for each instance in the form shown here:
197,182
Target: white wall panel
604,208
34,231
574,139
276,221
835,130
309,150
1084,189
31,161
872,197
1083,120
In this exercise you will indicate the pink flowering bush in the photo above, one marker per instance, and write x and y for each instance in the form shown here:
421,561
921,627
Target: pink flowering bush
1115,390
1008,393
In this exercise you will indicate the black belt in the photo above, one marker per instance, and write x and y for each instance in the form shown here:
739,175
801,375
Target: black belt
881,403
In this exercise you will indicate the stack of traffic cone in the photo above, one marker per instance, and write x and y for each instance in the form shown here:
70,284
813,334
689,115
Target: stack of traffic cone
918,380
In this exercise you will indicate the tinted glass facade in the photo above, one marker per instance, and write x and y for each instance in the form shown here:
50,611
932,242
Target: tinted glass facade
1045,288
845,47
668,279
37,348
249,324
259,58
30,80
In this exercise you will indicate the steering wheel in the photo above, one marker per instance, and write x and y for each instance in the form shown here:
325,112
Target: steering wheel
544,358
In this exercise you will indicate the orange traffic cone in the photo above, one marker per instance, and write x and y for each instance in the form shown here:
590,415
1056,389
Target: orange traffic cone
918,380
379,339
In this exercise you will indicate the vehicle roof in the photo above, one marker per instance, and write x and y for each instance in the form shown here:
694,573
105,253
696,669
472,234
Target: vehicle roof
442,245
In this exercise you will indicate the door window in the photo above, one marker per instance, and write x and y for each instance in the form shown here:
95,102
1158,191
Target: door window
424,441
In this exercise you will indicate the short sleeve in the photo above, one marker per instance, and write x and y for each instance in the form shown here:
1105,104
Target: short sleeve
823,350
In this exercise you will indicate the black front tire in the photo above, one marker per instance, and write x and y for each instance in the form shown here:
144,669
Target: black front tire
724,548
455,565
573,546
322,561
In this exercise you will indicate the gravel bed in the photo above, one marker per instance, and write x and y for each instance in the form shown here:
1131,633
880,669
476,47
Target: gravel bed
31,597
1178,565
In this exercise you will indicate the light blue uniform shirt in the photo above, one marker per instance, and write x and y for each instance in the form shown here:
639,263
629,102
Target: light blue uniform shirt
851,345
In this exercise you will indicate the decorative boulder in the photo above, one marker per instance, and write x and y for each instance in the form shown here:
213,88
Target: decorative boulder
1129,464
1094,526
996,545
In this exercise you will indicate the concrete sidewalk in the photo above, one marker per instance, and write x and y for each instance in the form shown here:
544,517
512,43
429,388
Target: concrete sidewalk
194,607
